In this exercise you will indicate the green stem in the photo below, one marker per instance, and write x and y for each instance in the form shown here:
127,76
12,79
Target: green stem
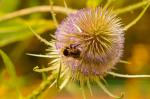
44,85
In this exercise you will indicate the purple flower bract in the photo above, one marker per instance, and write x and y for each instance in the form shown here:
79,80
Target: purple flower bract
90,41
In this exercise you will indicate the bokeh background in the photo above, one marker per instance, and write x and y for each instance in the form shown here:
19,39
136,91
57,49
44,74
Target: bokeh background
16,39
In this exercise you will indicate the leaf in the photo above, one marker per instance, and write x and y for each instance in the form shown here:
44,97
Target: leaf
11,71
93,3
9,65
17,30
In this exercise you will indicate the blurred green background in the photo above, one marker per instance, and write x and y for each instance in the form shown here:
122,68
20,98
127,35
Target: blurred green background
16,39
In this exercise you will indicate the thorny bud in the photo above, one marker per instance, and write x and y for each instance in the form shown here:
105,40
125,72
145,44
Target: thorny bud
90,41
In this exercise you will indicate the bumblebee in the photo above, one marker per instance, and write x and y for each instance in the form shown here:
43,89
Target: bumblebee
72,51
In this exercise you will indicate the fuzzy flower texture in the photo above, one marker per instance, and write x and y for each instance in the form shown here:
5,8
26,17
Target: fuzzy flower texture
90,42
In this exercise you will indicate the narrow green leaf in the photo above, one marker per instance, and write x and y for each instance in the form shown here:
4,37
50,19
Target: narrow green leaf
11,70
9,65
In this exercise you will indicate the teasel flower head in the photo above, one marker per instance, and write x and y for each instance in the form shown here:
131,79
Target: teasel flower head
86,47
90,42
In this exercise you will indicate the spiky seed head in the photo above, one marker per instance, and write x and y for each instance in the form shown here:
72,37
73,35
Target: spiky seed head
90,41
